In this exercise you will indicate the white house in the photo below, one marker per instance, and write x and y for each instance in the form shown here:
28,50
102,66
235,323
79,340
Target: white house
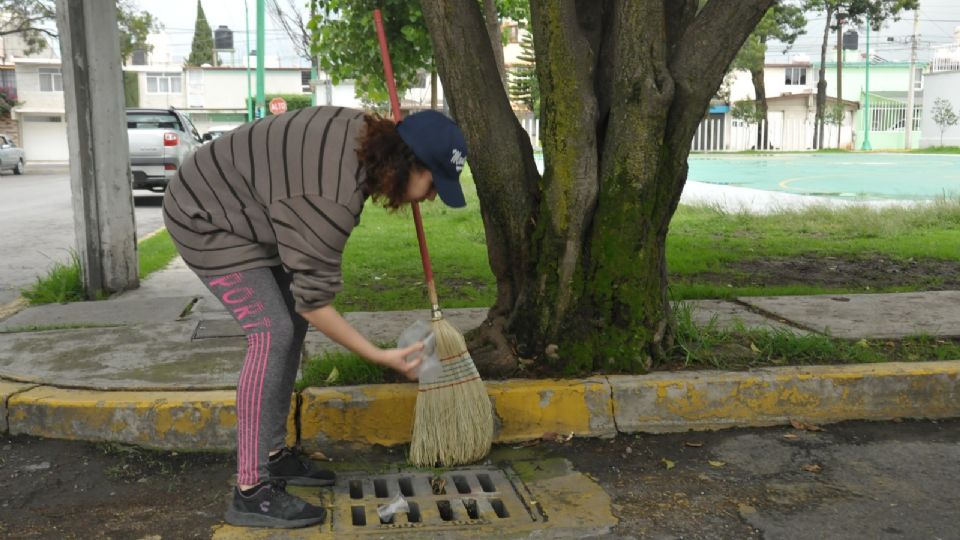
43,129
942,82
791,112
210,96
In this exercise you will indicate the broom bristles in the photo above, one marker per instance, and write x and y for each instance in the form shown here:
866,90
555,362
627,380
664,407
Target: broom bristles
453,421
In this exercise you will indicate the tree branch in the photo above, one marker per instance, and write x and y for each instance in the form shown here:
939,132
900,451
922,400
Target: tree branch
701,58
505,172
712,40
292,25
679,14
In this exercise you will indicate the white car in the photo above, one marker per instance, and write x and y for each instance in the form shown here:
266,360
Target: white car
11,157
216,132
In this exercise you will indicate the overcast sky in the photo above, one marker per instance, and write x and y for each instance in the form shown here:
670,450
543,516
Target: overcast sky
178,18
938,18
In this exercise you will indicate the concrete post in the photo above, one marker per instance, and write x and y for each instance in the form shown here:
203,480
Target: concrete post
908,121
99,154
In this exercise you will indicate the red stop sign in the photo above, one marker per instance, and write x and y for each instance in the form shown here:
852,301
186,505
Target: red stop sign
278,105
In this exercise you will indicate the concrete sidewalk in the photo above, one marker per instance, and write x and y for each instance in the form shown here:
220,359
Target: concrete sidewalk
157,366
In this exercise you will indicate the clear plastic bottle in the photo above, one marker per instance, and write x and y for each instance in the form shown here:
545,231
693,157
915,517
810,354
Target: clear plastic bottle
430,368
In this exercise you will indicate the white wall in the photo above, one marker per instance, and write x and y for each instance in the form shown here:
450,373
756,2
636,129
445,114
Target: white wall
162,100
44,137
28,88
226,88
774,81
944,85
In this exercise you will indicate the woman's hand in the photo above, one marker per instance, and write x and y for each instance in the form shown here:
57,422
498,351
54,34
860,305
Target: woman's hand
395,360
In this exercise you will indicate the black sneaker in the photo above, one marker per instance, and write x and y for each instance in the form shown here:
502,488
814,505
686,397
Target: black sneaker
298,471
271,506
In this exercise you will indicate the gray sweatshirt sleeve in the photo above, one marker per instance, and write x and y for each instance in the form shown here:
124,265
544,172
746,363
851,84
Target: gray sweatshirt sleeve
311,234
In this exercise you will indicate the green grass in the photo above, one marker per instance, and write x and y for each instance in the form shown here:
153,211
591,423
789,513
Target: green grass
341,368
938,150
705,239
63,282
382,270
46,327
155,252
738,347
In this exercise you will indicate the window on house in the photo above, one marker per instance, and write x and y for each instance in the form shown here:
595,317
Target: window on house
918,79
8,82
51,80
305,79
795,76
164,83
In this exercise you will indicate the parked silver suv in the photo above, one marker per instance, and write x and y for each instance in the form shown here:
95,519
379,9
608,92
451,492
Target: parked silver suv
160,140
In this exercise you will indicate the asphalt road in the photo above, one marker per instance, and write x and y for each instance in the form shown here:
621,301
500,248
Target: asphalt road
853,481
36,225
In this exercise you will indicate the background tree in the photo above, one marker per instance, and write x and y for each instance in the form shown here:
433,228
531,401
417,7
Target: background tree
524,87
854,12
201,49
30,20
33,20
943,115
834,116
784,23
748,111
346,47
134,27
289,17
346,44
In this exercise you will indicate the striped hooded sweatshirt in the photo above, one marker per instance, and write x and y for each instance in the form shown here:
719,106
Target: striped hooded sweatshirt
284,189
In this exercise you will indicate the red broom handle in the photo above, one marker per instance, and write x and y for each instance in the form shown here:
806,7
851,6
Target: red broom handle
395,105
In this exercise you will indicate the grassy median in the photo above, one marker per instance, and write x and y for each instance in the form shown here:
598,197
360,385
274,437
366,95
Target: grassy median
63,282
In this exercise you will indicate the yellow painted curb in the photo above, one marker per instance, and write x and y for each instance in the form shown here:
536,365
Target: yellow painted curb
194,420
12,308
665,402
527,409
374,414
523,410
7,390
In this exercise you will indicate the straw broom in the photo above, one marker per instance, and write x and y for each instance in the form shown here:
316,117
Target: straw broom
453,420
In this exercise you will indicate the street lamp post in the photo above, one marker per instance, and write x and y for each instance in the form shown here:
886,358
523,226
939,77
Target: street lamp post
867,124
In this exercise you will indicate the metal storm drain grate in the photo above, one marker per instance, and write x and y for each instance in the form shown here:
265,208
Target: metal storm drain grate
460,498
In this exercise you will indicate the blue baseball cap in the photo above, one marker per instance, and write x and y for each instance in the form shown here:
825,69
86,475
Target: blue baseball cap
439,144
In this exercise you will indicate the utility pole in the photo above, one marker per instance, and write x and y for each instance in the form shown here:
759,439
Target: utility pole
314,63
246,16
908,122
840,76
867,123
96,133
261,101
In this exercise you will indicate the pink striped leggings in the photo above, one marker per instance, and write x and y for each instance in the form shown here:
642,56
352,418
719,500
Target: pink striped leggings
260,301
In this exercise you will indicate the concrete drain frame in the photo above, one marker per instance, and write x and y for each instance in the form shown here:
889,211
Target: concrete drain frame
452,500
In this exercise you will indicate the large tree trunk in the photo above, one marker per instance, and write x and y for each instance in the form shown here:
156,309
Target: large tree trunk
579,255
760,89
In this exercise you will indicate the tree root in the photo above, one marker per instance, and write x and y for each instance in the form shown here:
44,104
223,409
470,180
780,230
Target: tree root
490,349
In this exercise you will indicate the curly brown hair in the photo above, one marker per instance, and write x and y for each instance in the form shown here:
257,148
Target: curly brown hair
386,161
